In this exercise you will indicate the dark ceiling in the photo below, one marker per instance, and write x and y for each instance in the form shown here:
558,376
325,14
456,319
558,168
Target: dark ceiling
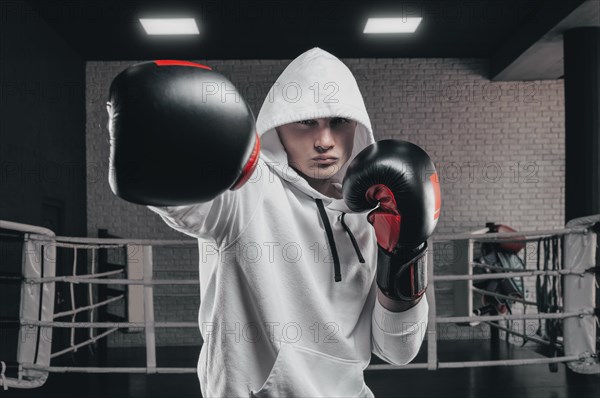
277,29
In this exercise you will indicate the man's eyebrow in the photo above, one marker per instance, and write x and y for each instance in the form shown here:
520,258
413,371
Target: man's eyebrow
325,118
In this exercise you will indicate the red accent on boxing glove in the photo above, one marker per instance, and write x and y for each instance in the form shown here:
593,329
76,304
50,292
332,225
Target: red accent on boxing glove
435,183
170,62
385,218
250,165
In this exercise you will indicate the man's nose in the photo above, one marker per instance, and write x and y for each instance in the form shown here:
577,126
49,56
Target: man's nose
324,139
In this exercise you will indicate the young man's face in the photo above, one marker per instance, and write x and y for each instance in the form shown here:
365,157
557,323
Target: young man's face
318,148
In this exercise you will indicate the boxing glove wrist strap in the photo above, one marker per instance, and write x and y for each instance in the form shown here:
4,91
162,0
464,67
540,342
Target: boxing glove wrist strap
402,274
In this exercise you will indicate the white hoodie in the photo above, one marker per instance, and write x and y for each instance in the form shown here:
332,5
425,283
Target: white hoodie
273,319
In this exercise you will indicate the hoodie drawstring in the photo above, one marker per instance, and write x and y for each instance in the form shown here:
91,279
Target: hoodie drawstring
334,253
331,240
356,248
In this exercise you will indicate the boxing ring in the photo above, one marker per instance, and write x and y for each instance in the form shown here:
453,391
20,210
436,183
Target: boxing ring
574,310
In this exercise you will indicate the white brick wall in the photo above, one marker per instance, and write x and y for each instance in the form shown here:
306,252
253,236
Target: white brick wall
498,147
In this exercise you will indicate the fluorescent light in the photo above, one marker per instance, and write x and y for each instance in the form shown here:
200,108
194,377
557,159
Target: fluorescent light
170,26
392,25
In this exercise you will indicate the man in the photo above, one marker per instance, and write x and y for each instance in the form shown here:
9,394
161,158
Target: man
288,272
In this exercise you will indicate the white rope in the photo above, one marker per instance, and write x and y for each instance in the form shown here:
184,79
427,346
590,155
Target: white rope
71,279
505,236
83,343
149,310
522,335
461,319
85,246
77,279
89,307
3,376
106,273
432,359
437,278
490,293
72,289
494,237
441,365
492,267
57,324
91,295
81,369
479,364
503,275
456,319
96,242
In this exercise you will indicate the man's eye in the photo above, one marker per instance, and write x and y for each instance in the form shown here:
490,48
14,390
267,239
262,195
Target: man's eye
307,122
338,120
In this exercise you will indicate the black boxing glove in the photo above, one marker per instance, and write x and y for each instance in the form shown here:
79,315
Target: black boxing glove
180,133
400,179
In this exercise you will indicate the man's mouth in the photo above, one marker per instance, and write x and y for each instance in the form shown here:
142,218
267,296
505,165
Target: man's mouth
325,159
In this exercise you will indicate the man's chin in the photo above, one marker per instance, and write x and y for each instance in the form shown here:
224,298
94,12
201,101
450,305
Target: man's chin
323,171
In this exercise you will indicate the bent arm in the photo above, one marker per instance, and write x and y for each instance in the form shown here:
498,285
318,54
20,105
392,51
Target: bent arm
396,337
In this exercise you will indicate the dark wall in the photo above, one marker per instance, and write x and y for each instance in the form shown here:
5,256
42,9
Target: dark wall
42,124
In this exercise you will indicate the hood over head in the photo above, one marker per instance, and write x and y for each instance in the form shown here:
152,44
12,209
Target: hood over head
314,85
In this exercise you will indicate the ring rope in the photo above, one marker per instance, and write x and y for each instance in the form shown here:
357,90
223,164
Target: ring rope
488,266
87,369
519,236
56,324
524,336
89,307
490,293
73,307
91,294
504,236
3,376
111,242
83,343
461,319
447,278
454,319
437,278
548,274
441,365
76,279
477,364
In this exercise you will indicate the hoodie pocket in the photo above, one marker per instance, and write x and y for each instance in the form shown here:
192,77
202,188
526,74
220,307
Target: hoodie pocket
302,372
